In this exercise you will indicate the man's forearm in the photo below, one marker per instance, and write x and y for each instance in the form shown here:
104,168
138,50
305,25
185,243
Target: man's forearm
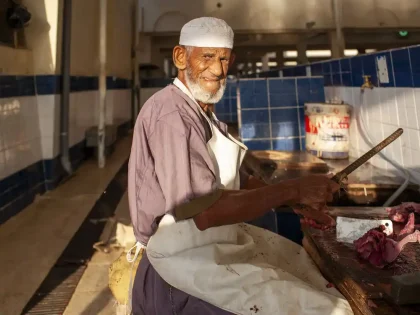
254,183
245,205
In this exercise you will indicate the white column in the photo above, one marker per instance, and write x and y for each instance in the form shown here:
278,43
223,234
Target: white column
145,48
279,59
336,37
336,45
301,50
102,82
166,67
136,63
264,61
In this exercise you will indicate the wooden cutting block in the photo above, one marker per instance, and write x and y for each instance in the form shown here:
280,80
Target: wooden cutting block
359,212
405,289
273,166
294,159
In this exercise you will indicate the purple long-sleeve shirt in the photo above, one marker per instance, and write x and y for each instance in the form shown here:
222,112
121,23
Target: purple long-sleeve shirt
169,162
169,165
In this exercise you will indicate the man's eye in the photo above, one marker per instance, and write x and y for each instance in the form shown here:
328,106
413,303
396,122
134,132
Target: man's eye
208,57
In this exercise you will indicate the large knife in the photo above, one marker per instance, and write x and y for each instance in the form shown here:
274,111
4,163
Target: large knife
341,176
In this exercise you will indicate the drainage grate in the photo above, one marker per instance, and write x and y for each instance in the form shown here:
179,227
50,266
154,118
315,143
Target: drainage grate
54,294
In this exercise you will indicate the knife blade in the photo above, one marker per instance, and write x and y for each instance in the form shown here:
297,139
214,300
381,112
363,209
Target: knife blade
340,176
351,229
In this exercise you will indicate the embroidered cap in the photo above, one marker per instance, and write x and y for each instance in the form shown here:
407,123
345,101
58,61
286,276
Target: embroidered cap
207,32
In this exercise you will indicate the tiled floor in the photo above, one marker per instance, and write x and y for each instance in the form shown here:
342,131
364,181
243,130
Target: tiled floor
92,295
32,241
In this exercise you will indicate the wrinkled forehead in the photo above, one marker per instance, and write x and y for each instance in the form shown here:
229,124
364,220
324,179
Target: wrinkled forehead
216,51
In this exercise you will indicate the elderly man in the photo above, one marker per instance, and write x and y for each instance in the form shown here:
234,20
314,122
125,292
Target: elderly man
188,203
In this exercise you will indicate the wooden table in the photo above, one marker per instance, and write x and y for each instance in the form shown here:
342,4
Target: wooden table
365,287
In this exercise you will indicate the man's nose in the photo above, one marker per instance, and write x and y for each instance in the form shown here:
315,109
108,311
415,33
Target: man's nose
216,68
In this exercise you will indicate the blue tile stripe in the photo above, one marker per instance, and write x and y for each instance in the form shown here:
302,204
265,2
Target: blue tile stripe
18,190
272,111
403,66
15,86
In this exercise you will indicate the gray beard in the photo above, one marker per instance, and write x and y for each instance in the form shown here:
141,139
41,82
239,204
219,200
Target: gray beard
200,94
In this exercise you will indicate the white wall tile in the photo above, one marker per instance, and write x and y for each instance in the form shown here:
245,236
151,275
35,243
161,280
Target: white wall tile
414,136
402,113
122,105
32,152
371,103
49,114
357,97
3,166
375,131
408,96
83,113
30,126
109,119
21,156
354,136
393,107
411,117
415,175
329,93
19,122
347,95
406,107
397,152
406,150
387,100
407,157
417,102
389,151
49,121
47,147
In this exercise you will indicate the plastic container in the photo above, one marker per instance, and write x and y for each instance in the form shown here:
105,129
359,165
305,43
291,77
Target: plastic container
328,130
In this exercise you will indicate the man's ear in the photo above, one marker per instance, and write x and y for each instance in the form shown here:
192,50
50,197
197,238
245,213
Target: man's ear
179,57
232,59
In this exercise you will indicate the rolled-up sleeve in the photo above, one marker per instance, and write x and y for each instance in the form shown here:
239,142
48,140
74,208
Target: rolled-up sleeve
182,163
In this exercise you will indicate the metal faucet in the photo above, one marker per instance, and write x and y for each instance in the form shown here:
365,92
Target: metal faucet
367,84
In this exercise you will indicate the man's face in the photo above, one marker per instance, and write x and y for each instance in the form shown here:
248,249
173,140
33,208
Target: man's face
206,73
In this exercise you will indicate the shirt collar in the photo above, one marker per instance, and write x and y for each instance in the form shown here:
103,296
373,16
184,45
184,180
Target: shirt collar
178,83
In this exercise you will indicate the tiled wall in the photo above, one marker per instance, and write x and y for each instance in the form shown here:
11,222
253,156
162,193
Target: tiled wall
29,131
393,102
271,114
226,109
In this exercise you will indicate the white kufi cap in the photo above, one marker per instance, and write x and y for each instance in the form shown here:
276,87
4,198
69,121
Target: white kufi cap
207,32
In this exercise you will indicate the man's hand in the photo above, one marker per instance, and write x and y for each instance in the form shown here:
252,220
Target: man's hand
312,194
314,191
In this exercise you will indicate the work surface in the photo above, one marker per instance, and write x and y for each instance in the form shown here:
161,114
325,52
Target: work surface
366,287
275,166
363,285
368,185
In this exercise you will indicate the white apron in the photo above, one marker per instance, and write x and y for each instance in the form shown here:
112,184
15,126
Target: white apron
239,268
